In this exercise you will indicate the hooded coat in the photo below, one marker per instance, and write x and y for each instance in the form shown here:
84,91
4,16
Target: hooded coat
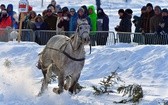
102,25
11,13
93,17
73,22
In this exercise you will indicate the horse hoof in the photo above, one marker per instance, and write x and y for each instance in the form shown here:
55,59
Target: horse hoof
65,87
57,90
39,94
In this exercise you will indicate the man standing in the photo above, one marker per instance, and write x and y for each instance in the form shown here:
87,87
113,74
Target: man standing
102,25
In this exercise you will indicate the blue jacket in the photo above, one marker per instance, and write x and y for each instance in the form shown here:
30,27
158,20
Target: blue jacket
73,22
11,13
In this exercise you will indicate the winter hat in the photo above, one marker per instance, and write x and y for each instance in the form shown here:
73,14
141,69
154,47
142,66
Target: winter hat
128,11
121,11
143,8
165,10
30,8
149,5
72,10
65,9
59,11
81,9
50,5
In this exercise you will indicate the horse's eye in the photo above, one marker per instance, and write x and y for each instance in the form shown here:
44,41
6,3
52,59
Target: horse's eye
80,28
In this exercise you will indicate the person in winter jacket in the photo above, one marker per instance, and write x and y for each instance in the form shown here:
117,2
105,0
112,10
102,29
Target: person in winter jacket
51,20
124,26
83,15
93,18
138,38
31,20
57,7
4,22
146,18
162,31
73,20
146,23
2,7
154,21
64,22
102,25
59,17
39,25
11,13
5,19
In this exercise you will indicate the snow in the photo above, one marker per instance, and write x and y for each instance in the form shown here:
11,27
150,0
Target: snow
145,65
20,80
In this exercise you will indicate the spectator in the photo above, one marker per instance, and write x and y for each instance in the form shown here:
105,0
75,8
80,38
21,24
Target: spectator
129,12
162,31
73,22
2,7
44,13
146,18
51,20
102,25
5,22
5,19
59,17
39,23
52,7
85,10
64,22
57,7
124,26
146,23
31,20
11,14
137,22
93,17
154,21
83,13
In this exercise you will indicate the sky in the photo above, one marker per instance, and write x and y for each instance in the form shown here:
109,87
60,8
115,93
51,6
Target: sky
146,65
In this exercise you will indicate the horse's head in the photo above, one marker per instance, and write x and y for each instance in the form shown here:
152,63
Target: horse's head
83,31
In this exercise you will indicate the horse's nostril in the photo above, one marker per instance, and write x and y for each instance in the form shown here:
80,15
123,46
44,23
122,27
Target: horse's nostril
85,39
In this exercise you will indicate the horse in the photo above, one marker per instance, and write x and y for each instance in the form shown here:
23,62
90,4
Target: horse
65,57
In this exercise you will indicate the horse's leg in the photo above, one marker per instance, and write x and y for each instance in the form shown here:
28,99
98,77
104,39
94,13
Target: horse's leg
74,83
60,83
68,82
47,74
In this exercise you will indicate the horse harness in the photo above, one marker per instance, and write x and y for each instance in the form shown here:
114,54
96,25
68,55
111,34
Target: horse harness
65,53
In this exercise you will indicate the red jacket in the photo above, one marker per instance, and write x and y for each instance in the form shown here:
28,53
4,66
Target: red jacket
6,22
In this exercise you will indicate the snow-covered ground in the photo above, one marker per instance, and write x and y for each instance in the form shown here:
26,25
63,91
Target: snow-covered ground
20,80
144,65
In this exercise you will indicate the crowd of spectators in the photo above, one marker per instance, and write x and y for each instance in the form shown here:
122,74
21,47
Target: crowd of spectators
152,20
60,19
64,20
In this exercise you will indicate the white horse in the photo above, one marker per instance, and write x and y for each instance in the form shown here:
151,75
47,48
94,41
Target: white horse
65,57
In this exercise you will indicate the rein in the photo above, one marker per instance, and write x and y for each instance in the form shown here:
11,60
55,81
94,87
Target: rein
65,53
